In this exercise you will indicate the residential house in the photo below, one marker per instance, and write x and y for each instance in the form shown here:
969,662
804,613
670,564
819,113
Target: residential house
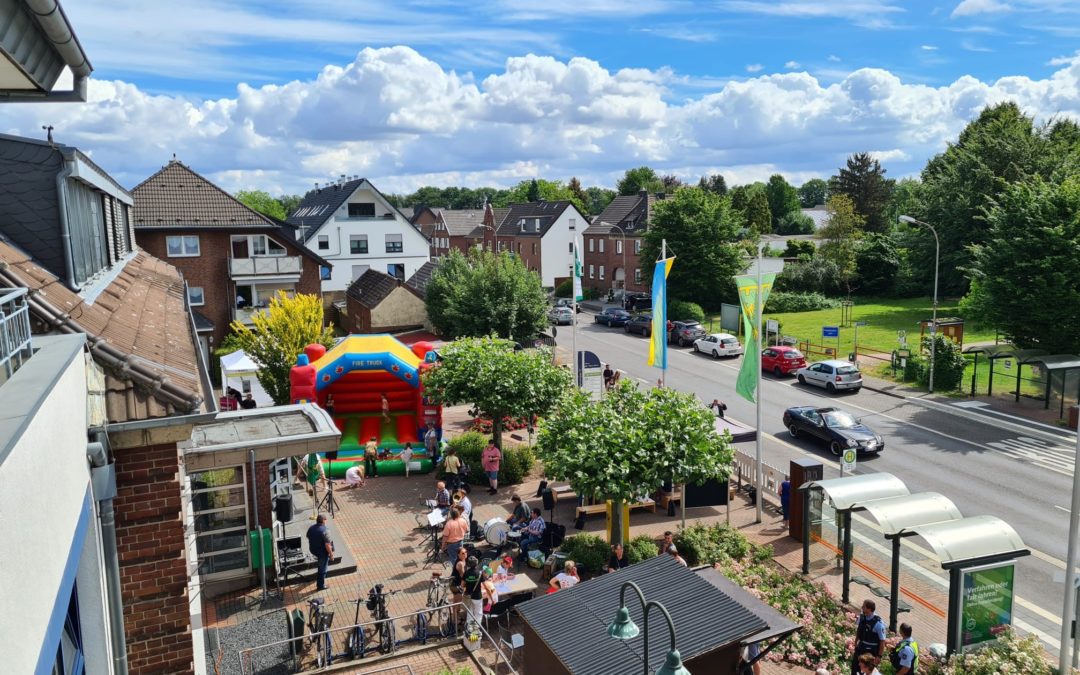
612,255
352,225
542,234
380,303
429,222
233,258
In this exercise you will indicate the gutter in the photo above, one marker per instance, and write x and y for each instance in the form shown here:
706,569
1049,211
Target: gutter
65,227
104,482
54,23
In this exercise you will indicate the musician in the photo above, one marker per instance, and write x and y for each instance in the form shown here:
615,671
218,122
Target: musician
534,533
442,497
463,503
520,517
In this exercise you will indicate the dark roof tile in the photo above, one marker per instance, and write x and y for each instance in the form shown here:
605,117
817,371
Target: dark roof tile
371,288
420,279
546,212
176,196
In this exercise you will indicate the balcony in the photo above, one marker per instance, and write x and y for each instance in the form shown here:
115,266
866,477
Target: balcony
264,266
15,347
244,314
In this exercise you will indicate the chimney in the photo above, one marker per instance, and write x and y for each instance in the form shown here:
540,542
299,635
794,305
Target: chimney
644,194
341,179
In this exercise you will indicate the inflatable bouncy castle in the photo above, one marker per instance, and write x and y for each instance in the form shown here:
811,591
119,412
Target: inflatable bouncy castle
353,377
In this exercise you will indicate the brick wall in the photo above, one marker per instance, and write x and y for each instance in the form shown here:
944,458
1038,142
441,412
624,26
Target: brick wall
611,261
523,247
153,573
259,494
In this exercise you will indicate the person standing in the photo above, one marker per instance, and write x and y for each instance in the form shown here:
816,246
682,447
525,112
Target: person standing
472,587
322,548
490,459
385,408
906,655
371,454
785,499
452,466
248,403
453,533
608,374
329,405
431,443
406,456
720,407
869,636
465,505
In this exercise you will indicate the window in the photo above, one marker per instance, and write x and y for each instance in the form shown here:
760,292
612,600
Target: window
195,296
573,223
393,243
534,248
591,242
502,245
637,246
358,244
245,246
361,210
182,246
519,247
324,273
618,246
396,270
358,271
601,270
601,242
591,275
570,248
70,659
324,242
219,503
637,275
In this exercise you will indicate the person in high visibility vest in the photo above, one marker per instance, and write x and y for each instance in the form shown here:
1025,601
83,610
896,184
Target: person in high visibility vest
905,659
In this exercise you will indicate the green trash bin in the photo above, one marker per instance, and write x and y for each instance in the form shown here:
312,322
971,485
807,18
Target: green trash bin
261,545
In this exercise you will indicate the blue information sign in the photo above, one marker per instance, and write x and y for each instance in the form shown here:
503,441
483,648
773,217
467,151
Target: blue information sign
830,331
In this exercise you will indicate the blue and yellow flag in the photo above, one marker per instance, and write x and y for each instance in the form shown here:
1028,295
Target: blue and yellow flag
658,339
752,300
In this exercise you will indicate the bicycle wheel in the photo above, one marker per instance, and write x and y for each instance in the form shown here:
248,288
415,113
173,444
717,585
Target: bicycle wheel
386,637
445,618
322,657
356,642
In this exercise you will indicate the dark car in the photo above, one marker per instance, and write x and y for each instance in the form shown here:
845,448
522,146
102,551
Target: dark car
836,428
639,323
684,333
612,317
635,302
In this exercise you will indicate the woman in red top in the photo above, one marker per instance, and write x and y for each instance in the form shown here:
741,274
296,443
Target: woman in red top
490,459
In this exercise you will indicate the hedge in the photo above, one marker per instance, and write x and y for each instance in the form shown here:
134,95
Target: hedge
681,310
515,466
781,302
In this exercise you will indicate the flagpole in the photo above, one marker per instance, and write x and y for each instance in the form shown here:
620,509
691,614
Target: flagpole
663,258
759,496
575,284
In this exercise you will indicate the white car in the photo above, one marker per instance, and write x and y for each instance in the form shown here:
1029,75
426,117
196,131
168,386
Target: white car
718,344
833,375
563,316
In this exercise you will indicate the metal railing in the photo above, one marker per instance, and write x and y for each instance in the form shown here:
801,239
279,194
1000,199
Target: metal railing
264,265
300,644
744,474
15,345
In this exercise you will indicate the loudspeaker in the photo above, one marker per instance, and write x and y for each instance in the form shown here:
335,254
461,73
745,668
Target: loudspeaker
549,499
331,455
543,486
283,508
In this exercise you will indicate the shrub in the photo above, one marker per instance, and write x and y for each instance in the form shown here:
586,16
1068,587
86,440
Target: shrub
1008,654
681,310
795,223
588,551
816,274
641,547
593,293
515,466
800,248
948,364
564,289
785,301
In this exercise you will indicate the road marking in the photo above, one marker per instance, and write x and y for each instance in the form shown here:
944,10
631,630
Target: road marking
1062,508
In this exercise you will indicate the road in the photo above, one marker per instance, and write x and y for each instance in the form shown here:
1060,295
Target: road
1014,474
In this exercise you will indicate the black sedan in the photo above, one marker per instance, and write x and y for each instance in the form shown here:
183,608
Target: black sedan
839,430
612,317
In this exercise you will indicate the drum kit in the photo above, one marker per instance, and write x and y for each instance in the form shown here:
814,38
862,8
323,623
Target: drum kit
497,532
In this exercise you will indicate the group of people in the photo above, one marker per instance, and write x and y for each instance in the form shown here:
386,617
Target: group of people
870,645
611,377
241,401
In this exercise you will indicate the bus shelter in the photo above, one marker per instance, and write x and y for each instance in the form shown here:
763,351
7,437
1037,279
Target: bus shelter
1056,364
995,353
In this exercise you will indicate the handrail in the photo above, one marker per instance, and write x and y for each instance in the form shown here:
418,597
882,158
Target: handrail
15,337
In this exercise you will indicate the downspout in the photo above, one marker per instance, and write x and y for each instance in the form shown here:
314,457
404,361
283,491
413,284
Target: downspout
102,470
65,227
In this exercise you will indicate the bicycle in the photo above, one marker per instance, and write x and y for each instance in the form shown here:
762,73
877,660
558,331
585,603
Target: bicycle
319,623
438,604
376,603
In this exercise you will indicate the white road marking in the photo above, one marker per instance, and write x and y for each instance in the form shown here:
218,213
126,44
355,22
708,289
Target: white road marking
1062,508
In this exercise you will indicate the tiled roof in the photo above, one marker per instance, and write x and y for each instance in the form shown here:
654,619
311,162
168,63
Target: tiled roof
176,196
614,214
500,214
462,222
321,203
371,288
142,314
547,212
420,279
573,622
202,324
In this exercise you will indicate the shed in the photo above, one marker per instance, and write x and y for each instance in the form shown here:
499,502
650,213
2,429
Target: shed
567,632
240,371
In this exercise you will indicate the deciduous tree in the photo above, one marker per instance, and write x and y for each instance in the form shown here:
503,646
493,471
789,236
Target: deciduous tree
840,237
262,202
758,213
863,181
783,198
813,193
635,180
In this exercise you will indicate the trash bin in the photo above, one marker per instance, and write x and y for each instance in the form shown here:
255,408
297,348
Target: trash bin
752,493
1074,416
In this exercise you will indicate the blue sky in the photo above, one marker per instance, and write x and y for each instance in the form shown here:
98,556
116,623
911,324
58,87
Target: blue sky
281,94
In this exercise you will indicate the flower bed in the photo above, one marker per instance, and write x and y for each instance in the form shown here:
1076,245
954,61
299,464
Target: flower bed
485,426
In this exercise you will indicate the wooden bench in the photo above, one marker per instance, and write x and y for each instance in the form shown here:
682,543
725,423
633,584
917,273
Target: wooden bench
594,509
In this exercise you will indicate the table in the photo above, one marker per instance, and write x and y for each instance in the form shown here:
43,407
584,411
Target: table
519,585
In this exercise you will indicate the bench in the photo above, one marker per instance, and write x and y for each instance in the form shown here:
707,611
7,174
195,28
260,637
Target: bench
881,592
594,509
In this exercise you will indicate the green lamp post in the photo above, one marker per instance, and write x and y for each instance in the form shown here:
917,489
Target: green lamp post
624,628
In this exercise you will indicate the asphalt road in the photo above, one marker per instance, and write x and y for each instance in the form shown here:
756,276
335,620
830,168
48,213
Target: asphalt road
1014,474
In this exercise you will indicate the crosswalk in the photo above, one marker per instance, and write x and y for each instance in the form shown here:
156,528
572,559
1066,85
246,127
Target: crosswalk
1050,456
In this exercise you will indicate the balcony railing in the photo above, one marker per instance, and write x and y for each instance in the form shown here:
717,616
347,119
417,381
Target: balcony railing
264,265
244,314
15,345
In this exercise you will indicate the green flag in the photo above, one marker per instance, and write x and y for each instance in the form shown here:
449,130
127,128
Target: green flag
746,383
313,468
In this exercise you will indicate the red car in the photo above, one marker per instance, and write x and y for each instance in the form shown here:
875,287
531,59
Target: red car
782,360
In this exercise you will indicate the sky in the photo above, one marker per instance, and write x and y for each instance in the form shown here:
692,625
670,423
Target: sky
279,95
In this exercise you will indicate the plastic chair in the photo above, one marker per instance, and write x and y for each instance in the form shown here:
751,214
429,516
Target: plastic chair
499,610
516,642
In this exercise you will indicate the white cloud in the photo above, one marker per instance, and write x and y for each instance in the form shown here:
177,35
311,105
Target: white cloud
972,46
841,9
834,58
928,48
682,33
1064,60
402,120
974,7
793,65
754,68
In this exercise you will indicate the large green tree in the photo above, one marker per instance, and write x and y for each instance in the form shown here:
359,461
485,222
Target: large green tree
864,182
537,189
262,202
813,193
714,183
840,238
877,262
758,215
485,293
635,180
701,232
1026,271
497,379
631,442
597,199
783,198
278,335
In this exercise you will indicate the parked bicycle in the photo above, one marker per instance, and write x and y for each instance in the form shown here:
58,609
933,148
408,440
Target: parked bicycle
384,625
439,606
320,621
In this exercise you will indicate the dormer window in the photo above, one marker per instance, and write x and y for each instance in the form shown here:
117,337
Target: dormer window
361,210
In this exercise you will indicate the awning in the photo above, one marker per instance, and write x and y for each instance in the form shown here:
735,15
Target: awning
970,539
852,491
906,511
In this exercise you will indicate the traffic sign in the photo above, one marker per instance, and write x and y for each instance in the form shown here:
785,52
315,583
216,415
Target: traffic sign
830,331
847,462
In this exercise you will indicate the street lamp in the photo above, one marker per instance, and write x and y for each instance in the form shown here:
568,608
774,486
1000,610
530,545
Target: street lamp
933,320
624,628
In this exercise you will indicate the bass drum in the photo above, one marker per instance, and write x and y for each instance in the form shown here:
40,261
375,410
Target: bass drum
495,531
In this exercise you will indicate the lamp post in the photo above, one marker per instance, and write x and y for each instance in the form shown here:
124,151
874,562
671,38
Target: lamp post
933,320
624,628
623,233
495,238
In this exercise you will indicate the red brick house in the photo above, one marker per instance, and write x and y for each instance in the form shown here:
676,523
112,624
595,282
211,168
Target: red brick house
612,257
542,235
379,303
460,229
233,258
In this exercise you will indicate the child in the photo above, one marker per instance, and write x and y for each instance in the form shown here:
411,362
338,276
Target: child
406,456
385,408
371,453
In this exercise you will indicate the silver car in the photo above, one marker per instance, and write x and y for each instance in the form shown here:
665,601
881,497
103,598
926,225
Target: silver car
564,316
833,375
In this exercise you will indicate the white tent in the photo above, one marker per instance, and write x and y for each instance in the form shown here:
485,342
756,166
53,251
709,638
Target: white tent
240,371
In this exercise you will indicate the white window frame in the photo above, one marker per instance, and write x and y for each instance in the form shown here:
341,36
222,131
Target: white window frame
637,247
400,242
601,270
185,252
323,242
601,246
591,242
637,275
227,530
201,294
618,246
573,223
359,238
591,269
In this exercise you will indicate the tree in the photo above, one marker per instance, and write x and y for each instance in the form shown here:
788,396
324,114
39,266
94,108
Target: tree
1027,268
533,194
485,293
289,203
799,248
840,234
813,193
262,202
701,232
597,199
670,183
636,180
905,200
782,197
630,442
497,379
795,222
715,184
574,188
864,183
758,214
877,261
279,335
539,189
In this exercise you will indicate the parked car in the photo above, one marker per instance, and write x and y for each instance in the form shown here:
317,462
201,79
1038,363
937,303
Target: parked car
837,429
636,302
612,317
718,344
832,375
568,303
684,333
782,360
639,323
563,316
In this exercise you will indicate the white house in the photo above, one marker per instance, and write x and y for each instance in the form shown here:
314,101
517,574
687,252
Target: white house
352,225
542,234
